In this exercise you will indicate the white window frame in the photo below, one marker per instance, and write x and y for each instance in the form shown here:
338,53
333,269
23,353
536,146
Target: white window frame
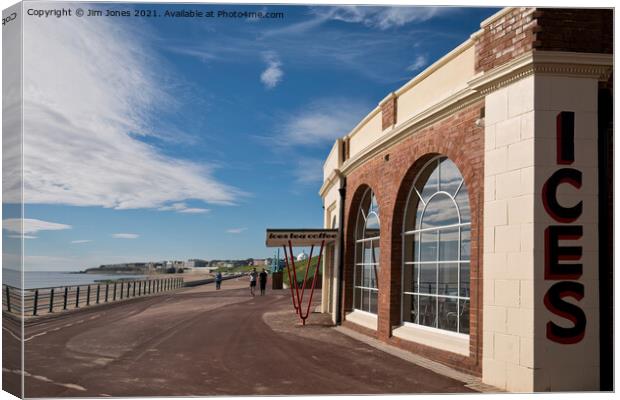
365,290
409,264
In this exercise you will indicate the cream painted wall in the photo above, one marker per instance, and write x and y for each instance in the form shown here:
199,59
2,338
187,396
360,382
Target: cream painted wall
331,201
520,154
567,366
366,134
445,81
333,160
508,237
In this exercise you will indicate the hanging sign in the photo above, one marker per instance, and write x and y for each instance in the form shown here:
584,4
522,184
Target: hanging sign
300,237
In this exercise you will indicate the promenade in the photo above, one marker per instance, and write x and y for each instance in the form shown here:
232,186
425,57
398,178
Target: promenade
202,342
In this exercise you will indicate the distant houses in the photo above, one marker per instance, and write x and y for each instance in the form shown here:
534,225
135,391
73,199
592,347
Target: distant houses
177,266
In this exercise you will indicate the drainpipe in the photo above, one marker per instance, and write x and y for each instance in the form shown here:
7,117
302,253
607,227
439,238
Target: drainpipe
342,191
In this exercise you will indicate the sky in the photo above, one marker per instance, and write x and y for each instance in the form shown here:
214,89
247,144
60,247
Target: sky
150,139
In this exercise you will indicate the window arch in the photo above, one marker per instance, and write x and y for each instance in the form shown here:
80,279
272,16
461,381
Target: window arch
366,269
436,243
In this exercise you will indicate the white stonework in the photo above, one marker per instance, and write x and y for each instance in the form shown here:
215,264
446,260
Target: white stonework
520,155
508,216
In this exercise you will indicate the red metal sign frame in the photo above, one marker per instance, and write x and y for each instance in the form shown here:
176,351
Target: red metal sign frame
295,295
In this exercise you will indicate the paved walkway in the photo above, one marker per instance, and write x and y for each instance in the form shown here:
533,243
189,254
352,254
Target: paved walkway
204,342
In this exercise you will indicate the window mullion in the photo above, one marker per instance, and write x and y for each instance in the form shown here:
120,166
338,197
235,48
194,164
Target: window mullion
437,282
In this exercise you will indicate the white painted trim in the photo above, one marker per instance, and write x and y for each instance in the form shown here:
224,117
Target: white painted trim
329,182
363,122
496,16
565,57
363,318
387,98
444,340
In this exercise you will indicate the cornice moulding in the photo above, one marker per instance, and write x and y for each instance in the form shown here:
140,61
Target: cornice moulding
587,65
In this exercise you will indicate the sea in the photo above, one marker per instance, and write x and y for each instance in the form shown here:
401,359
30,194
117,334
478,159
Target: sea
44,279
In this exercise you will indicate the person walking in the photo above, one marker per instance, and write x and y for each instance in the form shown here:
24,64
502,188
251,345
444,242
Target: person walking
218,280
253,276
262,280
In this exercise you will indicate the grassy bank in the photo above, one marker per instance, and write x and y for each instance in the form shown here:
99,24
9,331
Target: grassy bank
300,267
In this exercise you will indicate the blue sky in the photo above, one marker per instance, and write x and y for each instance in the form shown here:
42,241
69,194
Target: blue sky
154,139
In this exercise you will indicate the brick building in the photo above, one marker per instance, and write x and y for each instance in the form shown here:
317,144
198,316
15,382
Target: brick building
476,206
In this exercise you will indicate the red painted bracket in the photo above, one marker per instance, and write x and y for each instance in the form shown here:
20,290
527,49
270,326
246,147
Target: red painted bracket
295,295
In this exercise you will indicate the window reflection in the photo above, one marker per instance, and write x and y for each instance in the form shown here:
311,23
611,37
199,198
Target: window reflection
437,233
367,232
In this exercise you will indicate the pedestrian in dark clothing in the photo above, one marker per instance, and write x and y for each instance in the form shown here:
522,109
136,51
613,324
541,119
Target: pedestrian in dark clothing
262,278
218,281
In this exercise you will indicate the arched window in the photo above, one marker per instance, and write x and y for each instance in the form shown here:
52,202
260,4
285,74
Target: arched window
437,249
366,274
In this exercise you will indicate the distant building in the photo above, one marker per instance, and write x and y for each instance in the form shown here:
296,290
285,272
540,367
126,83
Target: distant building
196,263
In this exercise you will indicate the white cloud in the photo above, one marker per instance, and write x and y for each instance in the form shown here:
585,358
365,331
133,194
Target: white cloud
81,241
236,230
194,210
125,235
379,17
91,91
321,122
19,237
183,208
420,62
14,225
273,74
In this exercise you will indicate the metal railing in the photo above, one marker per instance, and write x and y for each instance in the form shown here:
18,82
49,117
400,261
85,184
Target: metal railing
39,301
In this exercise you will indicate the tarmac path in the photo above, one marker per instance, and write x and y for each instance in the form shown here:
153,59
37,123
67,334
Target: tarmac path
202,342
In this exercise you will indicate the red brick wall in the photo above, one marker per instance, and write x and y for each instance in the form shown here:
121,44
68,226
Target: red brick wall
506,38
578,30
388,113
458,138
547,29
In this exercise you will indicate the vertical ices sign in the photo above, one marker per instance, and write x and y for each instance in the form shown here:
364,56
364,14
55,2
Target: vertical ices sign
556,255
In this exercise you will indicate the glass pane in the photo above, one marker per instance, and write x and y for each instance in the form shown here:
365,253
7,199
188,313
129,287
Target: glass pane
464,280
464,317
411,284
418,214
450,177
448,314
465,242
428,315
359,252
366,275
373,301
409,308
428,277
431,185
374,206
448,279
462,200
357,302
359,225
372,226
412,246
440,211
357,279
367,253
365,299
428,246
449,244
374,276
376,250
